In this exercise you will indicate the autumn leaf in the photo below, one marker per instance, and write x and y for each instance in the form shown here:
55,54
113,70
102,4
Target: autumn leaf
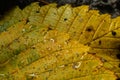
11,17
59,44
56,57
100,32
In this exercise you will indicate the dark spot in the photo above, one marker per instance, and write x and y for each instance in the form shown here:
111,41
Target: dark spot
16,52
49,28
119,65
77,54
19,20
94,71
93,53
57,55
113,33
86,62
54,13
89,29
118,79
16,40
65,19
74,32
118,56
27,20
2,45
37,11
49,70
118,47
65,64
100,42
33,67
33,47
79,69
88,44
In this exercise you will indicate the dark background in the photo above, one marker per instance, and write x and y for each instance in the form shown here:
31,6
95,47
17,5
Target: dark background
105,6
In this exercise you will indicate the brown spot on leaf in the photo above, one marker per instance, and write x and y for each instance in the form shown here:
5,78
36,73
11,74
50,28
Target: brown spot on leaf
100,42
113,33
37,11
65,19
89,28
118,56
27,20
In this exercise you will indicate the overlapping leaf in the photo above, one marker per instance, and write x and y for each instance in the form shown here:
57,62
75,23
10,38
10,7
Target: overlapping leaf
13,16
41,49
88,27
55,58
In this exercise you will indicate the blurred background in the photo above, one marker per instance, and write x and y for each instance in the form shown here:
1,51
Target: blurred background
105,6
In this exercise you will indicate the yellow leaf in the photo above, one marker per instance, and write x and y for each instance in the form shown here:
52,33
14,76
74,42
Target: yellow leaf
100,32
11,17
63,43
56,57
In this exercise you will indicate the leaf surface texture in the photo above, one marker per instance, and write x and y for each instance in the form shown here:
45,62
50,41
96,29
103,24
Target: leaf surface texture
62,43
